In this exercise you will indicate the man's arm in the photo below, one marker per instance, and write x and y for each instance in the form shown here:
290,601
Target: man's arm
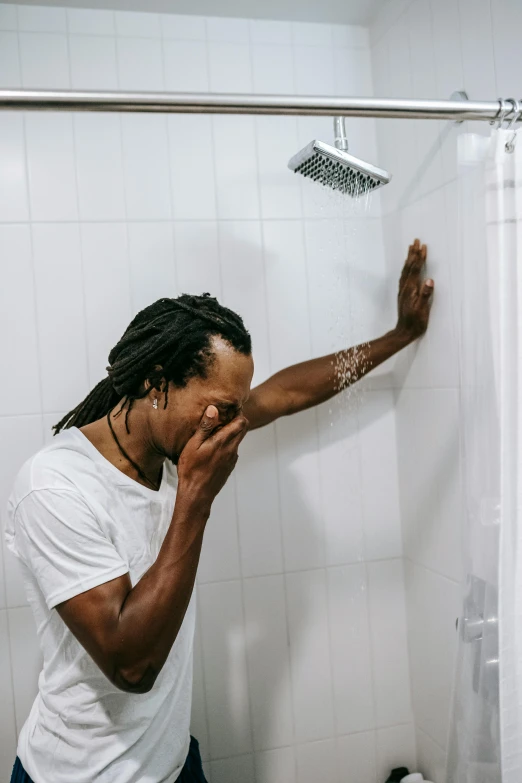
309,383
129,631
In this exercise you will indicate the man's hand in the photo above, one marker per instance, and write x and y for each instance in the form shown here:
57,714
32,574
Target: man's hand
209,457
414,294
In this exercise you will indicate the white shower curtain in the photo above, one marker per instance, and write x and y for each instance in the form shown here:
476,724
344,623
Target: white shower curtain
486,732
504,203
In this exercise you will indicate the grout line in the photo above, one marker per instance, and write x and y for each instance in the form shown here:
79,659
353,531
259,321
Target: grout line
369,625
81,249
188,220
124,191
169,166
390,25
367,390
11,677
199,623
316,742
306,570
416,564
435,742
67,43
73,119
245,625
33,264
492,31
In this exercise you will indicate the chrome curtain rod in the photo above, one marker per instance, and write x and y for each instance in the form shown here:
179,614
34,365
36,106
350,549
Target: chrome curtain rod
206,103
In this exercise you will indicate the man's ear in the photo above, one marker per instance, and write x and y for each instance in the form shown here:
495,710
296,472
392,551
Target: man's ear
156,381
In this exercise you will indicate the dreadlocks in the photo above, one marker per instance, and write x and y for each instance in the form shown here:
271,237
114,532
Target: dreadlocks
173,335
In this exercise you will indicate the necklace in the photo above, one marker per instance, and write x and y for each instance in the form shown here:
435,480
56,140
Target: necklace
136,467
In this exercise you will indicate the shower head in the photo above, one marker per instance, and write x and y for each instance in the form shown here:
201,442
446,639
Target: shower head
335,168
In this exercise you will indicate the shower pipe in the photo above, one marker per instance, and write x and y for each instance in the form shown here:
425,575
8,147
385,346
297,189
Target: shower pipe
205,103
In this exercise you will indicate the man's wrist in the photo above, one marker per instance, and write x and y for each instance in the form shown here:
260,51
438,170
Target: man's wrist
192,506
400,338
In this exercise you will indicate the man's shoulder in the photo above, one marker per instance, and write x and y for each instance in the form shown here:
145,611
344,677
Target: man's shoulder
54,467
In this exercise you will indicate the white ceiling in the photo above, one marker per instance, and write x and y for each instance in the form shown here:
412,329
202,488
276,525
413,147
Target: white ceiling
341,11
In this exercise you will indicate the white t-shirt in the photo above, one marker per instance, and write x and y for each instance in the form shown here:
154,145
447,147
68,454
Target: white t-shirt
75,521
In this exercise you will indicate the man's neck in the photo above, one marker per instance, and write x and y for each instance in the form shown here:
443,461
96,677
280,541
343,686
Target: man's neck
135,445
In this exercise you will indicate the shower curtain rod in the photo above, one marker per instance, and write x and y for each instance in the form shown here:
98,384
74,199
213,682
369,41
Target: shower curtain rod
206,103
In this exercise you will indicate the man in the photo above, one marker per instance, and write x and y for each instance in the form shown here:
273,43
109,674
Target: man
109,534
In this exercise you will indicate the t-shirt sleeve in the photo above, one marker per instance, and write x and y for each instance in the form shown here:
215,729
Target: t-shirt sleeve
61,542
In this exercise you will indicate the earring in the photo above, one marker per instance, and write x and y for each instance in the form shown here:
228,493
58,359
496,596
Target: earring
155,403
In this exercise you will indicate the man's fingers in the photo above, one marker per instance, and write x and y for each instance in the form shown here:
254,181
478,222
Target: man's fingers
231,434
418,259
209,422
427,288
236,430
414,263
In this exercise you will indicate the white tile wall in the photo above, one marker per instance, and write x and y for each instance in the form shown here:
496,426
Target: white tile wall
25,436
153,206
316,760
273,69
233,770
431,758
276,766
82,21
225,668
268,662
357,757
41,19
146,241
235,168
99,166
51,167
8,17
26,660
9,60
354,698
185,65
18,319
44,60
104,256
131,24
310,655
7,721
388,642
140,65
183,28
146,175
230,67
432,647
259,523
280,195
93,63
395,748
431,502
58,267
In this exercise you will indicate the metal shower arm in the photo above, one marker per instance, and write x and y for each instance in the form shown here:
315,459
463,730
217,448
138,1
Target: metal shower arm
340,136
207,103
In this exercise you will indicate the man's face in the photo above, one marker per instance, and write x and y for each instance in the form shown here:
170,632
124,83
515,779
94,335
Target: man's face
227,386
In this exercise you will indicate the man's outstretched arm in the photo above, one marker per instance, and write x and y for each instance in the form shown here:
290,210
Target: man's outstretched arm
310,383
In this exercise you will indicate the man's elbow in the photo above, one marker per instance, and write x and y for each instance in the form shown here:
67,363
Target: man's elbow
135,680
